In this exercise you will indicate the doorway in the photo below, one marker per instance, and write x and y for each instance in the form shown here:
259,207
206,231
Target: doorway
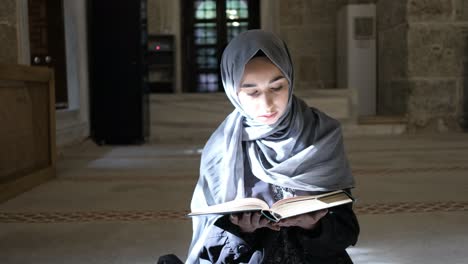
208,26
47,43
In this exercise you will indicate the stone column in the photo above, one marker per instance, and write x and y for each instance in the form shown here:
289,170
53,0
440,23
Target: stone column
8,32
392,27
461,16
436,53
422,62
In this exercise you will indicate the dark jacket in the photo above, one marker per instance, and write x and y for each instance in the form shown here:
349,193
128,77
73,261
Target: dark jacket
326,243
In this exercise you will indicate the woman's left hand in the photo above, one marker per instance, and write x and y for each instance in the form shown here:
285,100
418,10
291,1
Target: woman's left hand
305,221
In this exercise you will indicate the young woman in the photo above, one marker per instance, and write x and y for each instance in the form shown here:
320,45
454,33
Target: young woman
272,146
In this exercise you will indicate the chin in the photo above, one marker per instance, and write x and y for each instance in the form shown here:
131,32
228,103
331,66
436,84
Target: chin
269,122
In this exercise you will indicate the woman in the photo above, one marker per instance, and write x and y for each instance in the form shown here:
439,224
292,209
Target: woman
271,146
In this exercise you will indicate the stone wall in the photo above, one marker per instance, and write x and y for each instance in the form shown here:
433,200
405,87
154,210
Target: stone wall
437,37
422,62
309,28
8,32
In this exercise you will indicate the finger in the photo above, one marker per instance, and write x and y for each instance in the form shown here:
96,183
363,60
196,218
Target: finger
255,220
234,219
264,221
286,222
273,226
319,214
246,219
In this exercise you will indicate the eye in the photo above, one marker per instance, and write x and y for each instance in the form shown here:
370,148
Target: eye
252,93
277,88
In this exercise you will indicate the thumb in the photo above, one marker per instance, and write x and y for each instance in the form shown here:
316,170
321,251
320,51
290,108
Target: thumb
320,214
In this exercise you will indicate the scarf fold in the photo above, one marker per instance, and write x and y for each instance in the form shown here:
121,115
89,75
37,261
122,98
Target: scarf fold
303,150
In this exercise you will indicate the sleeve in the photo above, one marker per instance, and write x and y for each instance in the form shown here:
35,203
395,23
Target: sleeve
226,244
337,230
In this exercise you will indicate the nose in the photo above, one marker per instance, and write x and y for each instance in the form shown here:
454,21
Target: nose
268,102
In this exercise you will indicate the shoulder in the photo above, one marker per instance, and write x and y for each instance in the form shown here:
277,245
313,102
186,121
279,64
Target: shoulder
319,126
324,118
214,147
315,116
317,120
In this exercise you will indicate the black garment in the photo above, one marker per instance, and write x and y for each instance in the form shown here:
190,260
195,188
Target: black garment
324,244
169,259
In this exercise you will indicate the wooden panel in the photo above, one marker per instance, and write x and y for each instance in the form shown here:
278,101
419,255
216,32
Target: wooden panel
27,134
25,183
24,73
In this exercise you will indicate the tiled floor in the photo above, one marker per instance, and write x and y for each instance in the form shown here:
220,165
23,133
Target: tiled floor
127,204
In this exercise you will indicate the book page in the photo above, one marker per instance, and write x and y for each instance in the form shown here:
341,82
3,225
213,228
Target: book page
235,206
301,206
333,198
308,197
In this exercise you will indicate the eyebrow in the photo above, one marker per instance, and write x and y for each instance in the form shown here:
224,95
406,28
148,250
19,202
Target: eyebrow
250,85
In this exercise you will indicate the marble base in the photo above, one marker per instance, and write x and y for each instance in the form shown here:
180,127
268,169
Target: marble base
70,129
193,117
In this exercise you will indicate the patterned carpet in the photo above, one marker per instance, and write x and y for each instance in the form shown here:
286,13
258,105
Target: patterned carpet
122,216
130,204
79,216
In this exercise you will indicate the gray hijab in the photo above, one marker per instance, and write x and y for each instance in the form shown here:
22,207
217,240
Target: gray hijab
303,150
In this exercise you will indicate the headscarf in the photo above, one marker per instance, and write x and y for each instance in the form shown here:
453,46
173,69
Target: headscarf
303,150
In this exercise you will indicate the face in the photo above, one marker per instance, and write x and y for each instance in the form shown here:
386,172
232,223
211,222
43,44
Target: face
263,91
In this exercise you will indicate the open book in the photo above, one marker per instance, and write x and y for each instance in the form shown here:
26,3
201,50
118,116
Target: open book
281,209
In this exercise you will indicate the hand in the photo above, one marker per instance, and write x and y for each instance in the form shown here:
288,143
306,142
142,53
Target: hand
305,221
249,222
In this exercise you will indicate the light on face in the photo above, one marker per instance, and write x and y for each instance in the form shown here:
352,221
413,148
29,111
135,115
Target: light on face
263,91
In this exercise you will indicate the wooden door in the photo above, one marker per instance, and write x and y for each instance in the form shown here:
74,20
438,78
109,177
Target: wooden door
117,43
47,43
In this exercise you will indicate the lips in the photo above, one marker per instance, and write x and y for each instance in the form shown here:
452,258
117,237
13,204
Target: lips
269,116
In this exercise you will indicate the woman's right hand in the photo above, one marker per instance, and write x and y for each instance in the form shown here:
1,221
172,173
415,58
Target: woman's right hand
249,222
